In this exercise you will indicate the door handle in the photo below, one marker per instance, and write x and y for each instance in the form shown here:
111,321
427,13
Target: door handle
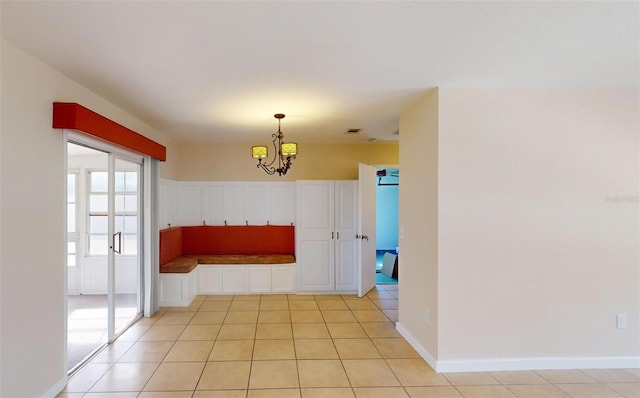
113,243
365,237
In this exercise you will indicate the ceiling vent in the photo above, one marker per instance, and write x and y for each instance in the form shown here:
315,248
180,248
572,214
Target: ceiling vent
353,131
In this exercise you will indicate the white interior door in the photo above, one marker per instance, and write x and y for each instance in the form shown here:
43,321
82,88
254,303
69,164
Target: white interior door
367,228
346,226
315,236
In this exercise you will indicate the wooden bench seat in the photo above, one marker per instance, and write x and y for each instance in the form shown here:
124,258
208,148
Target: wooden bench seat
243,258
186,264
179,265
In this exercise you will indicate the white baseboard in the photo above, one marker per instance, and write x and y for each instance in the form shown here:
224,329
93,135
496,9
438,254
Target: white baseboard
532,363
529,363
56,388
424,353
325,292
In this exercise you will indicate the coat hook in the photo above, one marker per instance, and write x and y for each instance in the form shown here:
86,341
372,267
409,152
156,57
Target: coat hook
225,222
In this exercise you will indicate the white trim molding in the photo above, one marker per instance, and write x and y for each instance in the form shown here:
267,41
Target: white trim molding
533,363
527,363
56,388
424,353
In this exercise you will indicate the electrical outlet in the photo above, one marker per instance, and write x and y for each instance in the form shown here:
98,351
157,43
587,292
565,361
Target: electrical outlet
621,321
427,317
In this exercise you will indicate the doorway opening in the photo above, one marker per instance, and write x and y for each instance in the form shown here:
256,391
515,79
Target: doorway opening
387,246
104,267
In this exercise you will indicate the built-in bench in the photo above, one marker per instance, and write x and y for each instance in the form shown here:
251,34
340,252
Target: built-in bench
229,259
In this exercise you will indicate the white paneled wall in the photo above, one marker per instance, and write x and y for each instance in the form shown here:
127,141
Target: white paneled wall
212,210
184,203
188,205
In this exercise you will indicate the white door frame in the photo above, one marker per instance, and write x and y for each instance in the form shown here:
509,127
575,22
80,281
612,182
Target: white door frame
360,232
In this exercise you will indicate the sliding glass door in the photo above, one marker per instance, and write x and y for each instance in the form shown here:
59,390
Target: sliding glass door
104,276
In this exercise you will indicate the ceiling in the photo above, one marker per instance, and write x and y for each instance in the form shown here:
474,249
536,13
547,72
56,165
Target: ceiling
218,71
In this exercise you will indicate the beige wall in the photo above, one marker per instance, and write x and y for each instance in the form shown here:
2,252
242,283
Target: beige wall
32,224
418,219
536,258
233,162
537,238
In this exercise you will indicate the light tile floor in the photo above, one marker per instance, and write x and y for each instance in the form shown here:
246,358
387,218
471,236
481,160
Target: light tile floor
281,346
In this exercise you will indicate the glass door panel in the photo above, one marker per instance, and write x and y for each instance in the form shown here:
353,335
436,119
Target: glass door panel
126,242
87,247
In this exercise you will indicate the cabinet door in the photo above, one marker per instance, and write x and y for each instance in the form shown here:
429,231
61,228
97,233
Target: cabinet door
234,279
283,279
209,279
346,226
314,235
188,205
259,279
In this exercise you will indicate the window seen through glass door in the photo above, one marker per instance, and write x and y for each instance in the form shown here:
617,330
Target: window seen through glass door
72,224
126,211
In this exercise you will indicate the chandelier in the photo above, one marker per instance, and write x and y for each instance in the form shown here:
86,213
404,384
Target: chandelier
285,151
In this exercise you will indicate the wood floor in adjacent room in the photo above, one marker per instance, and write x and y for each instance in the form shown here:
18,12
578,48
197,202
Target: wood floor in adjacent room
281,346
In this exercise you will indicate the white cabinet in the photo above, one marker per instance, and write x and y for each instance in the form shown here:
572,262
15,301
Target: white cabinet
259,279
178,290
209,280
234,280
283,279
244,279
326,255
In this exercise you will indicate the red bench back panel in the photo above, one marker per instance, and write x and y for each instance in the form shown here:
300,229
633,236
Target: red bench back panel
238,239
170,244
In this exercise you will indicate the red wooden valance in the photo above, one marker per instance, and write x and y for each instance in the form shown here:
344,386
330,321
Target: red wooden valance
67,115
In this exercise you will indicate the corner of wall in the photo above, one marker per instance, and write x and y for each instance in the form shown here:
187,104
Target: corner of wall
418,224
